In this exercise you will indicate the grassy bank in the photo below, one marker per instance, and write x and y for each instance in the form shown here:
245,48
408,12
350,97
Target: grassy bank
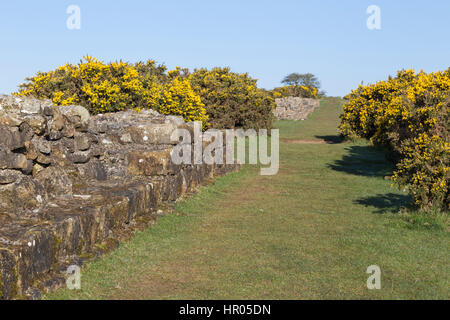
309,232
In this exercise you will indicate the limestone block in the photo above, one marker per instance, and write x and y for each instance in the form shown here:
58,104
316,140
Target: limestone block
153,134
150,163
9,176
11,138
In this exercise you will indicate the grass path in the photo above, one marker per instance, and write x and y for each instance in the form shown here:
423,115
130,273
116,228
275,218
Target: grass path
309,232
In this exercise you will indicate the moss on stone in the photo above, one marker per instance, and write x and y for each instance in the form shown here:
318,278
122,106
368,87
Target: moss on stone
56,242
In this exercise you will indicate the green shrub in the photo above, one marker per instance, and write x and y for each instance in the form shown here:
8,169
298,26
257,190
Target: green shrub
232,100
294,91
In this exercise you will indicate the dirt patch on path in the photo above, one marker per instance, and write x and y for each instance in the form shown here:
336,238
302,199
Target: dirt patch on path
306,141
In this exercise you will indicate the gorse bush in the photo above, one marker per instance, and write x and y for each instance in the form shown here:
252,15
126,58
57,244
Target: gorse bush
299,85
232,99
117,86
178,98
227,99
295,91
409,115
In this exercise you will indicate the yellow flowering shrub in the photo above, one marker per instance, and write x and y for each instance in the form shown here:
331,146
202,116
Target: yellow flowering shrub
409,115
115,87
178,98
232,99
295,91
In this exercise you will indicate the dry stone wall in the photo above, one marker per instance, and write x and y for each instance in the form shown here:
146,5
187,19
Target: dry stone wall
72,186
295,108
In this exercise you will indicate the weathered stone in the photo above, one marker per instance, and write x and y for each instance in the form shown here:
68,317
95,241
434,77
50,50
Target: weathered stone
96,151
77,111
37,123
17,161
26,132
150,163
87,188
60,154
23,194
68,144
100,127
82,143
34,294
29,169
57,123
68,131
176,120
55,135
32,152
42,145
3,159
295,108
126,138
9,120
9,176
8,278
94,170
80,157
55,180
28,105
48,111
93,138
10,139
42,159
74,120
153,134
36,169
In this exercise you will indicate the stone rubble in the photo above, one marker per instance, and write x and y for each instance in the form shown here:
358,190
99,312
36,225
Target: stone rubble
72,186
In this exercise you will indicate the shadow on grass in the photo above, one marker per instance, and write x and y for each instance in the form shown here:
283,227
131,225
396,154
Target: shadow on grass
364,161
372,162
331,139
386,203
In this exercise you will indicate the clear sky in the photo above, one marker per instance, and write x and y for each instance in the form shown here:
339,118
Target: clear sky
267,39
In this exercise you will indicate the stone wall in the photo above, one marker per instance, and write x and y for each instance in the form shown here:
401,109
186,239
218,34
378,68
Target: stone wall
294,108
72,186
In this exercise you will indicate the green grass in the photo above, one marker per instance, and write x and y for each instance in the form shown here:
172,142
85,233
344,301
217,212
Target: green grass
309,232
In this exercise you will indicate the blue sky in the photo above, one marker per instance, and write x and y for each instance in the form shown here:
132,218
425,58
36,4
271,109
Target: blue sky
267,39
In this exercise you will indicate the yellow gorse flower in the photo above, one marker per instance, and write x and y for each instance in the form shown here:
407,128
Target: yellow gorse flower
117,86
409,115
